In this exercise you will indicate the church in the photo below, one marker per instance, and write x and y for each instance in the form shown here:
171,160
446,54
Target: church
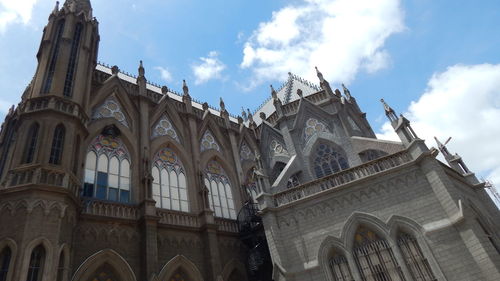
105,176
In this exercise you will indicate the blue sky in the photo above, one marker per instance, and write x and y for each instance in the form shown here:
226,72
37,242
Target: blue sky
436,61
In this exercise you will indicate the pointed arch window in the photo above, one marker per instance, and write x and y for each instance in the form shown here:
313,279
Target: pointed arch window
374,257
417,264
57,145
5,257
169,181
49,76
37,262
61,269
70,73
31,141
328,160
220,196
339,267
107,170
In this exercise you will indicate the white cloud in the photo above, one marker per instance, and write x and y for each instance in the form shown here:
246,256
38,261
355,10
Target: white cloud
164,73
462,102
209,68
339,36
15,11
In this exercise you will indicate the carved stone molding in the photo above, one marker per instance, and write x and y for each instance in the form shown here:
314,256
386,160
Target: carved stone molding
31,204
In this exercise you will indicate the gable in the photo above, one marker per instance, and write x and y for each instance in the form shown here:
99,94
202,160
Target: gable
110,108
164,127
208,142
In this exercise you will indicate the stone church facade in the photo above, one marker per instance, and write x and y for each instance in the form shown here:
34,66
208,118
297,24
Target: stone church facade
105,176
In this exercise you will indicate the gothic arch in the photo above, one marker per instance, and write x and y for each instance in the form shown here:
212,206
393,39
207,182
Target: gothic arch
332,244
182,262
113,87
63,249
324,139
398,224
166,107
210,124
7,242
107,256
232,266
357,219
49,258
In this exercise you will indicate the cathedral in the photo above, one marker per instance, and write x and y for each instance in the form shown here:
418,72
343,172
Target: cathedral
105,176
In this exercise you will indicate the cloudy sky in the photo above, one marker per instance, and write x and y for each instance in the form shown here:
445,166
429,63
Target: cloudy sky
436,61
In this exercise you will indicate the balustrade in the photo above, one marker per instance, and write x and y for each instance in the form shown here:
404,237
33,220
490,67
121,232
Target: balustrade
341,178
178,218
110,209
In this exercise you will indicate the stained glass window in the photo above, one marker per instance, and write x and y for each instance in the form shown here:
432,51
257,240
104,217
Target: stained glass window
37,260
164,128
105,273
169,184
179,275
31,141
371,154
5,256
208,142
327,161
374,257
245,152
221,196
340,268
313,127
70,73
107,170
57,145
415,260
110,109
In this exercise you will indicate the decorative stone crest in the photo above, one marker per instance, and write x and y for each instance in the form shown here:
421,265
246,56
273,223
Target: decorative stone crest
208,142
245,152
277,148
313,126
164,128
110,109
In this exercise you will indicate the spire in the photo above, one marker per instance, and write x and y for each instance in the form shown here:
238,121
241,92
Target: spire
391,114
456,162
56,8
249,115
244,114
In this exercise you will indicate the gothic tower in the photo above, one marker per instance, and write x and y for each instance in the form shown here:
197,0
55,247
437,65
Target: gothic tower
40,145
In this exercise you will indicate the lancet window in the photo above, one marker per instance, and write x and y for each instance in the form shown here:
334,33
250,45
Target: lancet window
70,73
31,142
374,257
107,170
327,161
5,257
340,268
57,145
49,76
415,260
220,194
169,184
37,262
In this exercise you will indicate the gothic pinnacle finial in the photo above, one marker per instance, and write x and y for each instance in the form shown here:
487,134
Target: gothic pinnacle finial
347,93
273,93
391,114
319,74
222,105
249,115
56,8
185,88
141,69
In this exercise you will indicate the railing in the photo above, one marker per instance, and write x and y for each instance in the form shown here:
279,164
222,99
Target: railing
178,218
110,209
341,178
55,103
227,225
32,175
